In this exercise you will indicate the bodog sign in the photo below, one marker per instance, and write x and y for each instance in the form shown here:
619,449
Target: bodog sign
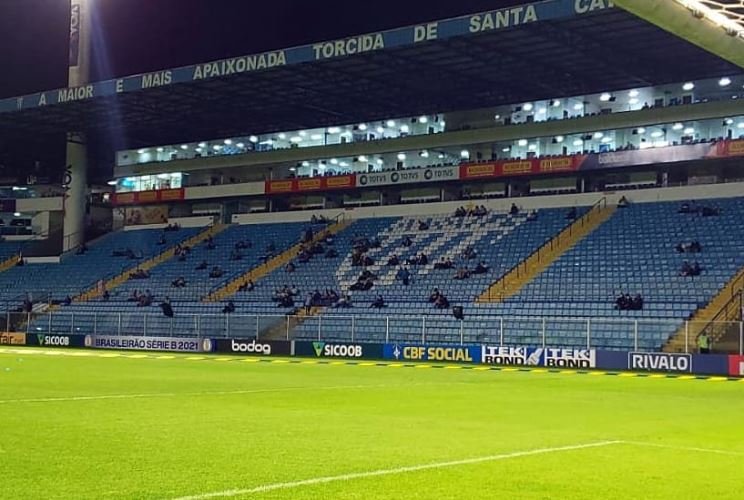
253,347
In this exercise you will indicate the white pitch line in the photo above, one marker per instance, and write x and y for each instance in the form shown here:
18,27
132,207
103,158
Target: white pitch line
398,470
208,393
685,448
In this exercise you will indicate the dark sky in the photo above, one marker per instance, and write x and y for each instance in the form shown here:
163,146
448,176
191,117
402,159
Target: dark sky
135,36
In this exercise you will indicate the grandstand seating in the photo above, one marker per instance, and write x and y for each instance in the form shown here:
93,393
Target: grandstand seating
570,304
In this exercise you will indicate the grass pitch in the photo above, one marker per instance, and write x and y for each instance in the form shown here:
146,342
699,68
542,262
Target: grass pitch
172,426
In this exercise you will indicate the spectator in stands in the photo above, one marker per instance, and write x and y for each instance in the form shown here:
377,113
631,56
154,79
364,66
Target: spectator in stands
308,235
247,286
458,313
67,301
216,272
363,284
623,203
344,301
317,249
179,282
27,306
357,257
229,307
695,247
21,262
571,215
434,295
285,301
178,250
480,211
423,226
690,269
329,239
202,266
532,216
308,303
161,240
442,302
403,275
139,274
407,241
462,274
106,296
375,242
514,210
303,257
290,267
134,297
331,253
481,268
460,212
637,303
469,253
81,249
294,291
378,303
166,307
444,264
710,211
331,297
210,243
393,260
368,261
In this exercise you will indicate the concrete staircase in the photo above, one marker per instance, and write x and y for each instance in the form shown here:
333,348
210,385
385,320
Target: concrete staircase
284,329
148,264
725,307
513,281
255,274
9,263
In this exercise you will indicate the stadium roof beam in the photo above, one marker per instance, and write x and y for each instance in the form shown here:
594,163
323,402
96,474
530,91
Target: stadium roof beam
675,18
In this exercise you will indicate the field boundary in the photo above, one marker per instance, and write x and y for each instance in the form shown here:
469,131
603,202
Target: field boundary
153,355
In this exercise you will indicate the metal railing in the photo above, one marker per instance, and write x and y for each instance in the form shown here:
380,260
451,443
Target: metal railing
563,332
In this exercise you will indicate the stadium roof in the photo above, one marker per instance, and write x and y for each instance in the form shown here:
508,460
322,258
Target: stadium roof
538,50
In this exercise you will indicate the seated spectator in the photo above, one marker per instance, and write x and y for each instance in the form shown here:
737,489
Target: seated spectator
363,285
134,297
444,264
532,216
710,211
202,266
403,275
27,306
681,248
623,203
179,282
375,242
637,302
81,249
236,255
247,286
695,247
167,309
329,239
307,236
368,261
106,296
216,272
457,312
514,210
317,249
469,253
357,258
480,211
139,274
285,301
229,307
378,303
462,274
210,242
178,250
290,268
303,257
161,240
331,253
441,302
294,291
407,241
67,301
460,212
434,295
331,297
481,268
571,215
344,301
423,226
393,260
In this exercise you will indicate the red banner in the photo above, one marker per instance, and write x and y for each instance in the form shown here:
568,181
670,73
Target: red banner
146,197
727,149
530,166
736,366
311,184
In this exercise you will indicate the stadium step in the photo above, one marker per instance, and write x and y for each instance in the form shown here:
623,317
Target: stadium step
524,272
168,254
724,307
285,330
272,264
9,263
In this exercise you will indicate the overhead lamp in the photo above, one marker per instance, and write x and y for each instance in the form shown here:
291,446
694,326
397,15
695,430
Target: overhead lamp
604,97
184,146
633,93
163,176
334,130
334,161
316,137
559,138
141,151
424,154
598,135
343,164
199,150
296,139
202,144
657,133
740,125
401,156
240,145
541,111
464,153
380,161
633,100
380,130
16,214
532,147
362,159
728,121
688,86
607,139
228,142
505,149
390,123
578,106
677,126
217,147
112,183
423,119
282,136
497,117
405,129
578,142
292,169
522,142
528,106
640,130
253,139
159,150
362,126
689,131
556,103
303,133
725,81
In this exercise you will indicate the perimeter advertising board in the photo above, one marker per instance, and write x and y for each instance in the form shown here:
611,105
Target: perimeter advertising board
252,347
550,357
11,338
175,344
48,340
347,350
417,352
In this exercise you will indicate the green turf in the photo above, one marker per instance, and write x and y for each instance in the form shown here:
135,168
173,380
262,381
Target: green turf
190,433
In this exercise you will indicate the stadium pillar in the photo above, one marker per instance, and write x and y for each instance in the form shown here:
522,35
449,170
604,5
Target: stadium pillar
76,172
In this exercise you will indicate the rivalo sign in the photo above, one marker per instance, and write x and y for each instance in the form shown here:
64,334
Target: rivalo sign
660,362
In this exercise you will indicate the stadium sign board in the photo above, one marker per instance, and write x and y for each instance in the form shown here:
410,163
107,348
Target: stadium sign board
338,350
176,344
12,338
253,347
540,356
660,362
53,340
444,353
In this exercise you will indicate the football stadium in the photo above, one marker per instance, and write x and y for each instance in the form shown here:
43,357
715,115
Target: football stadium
493,255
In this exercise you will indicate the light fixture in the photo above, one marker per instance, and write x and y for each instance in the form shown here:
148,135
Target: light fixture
522,142
689,131
606,139
401,156
334,130
202,144
380,161
633,100
253,139
556,103
424,154
362,127
303,133
441,156
163,176
16,214
728,121
296,139
740,125
598,135
292,169
217,147
527,106
390,123
578,142
334,161
423,119
497,117
306,163
111,183
343,164
532,147
725,81
282,136
362,159
159,150
240,145
541,111
141,151
506,149
559,138
380,130
604,97
578,106
184,146
199,150
688,86
633,93
228,142
677,126
657,133
405,129
464,153
316,137
640,130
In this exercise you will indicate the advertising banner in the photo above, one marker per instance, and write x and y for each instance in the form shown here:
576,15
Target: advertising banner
145,197
148,343
539,356
736,366
338,350
157,214
252,347
8,338
411,176
659,362
311,184
44,340
528,166
417,352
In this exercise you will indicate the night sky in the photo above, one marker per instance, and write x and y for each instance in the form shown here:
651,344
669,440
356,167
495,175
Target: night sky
134,36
